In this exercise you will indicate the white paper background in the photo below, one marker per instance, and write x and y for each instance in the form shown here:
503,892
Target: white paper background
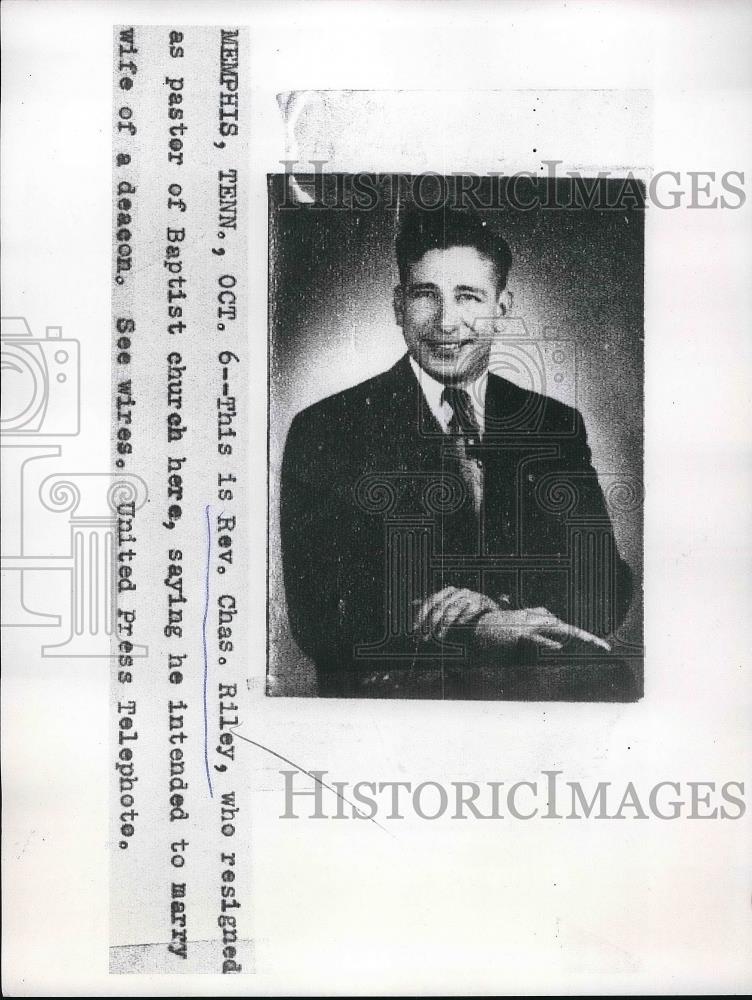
459,907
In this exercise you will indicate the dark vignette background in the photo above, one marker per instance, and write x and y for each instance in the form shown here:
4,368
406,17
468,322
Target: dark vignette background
577,276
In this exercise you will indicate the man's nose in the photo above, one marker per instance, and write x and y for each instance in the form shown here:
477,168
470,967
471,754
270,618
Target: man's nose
450,317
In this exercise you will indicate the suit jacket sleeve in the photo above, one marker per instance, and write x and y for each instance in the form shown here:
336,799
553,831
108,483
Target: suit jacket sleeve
601,581
314,543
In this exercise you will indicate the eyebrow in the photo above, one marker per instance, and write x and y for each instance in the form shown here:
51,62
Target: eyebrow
429,285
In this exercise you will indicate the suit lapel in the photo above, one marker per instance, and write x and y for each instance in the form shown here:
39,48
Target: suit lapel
417,438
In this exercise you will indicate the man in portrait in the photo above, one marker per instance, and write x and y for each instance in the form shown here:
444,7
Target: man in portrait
444,533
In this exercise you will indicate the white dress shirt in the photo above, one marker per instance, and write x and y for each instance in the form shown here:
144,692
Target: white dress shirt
432,390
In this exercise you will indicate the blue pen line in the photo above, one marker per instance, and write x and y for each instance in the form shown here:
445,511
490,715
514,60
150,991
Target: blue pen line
206,653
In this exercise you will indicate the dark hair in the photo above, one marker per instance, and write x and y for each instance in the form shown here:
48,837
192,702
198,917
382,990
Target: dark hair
421,230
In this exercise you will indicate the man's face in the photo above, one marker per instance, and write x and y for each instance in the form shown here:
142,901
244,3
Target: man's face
446,309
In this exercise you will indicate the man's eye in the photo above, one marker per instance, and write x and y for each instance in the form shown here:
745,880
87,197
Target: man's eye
421,293
468,297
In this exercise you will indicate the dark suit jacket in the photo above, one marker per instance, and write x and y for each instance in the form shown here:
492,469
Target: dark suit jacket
375,516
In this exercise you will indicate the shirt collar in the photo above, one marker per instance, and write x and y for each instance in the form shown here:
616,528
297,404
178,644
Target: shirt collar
432,390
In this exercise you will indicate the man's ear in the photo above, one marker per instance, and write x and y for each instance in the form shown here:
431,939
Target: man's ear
504,301
399,305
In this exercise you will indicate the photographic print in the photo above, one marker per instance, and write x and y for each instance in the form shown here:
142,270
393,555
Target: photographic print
456,437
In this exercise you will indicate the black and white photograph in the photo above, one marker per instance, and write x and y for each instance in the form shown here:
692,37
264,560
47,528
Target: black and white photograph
465,523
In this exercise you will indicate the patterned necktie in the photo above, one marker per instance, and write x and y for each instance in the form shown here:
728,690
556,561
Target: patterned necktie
464,433
463,420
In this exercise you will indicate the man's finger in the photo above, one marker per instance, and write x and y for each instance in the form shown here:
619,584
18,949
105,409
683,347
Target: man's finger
559,629
583,636
538,616
428,604
435,609
475,609
450,614
448,609
461,610
544,643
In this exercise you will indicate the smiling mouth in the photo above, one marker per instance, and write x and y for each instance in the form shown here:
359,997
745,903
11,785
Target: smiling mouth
446,348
